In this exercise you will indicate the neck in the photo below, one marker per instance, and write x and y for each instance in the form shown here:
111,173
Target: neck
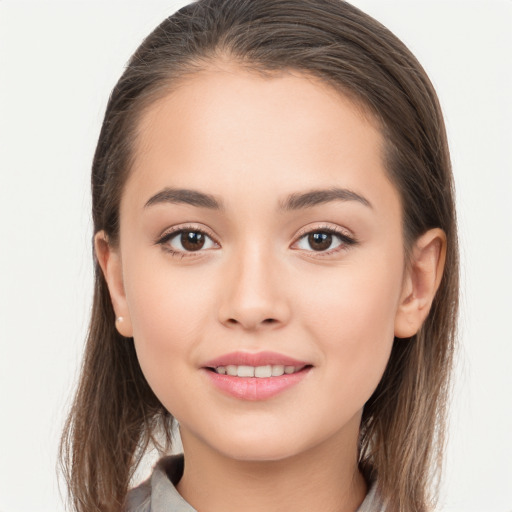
324,478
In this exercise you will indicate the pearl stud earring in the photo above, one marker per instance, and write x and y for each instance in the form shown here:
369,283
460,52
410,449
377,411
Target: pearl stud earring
119,319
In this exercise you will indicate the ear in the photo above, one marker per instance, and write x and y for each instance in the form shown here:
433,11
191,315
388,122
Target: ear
421,282
109,260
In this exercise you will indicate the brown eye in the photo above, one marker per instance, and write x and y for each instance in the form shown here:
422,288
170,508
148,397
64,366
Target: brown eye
192,240
324,240
320,241
187,240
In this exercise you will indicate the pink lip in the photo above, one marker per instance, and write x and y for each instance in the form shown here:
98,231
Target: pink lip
257,359
255,388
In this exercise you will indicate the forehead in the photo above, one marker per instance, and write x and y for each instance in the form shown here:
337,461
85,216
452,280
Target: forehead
229,129
237,97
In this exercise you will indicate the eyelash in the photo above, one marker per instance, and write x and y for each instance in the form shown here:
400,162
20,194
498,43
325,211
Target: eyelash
169,235
345,240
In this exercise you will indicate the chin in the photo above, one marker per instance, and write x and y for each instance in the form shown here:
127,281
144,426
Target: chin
259,453
259,447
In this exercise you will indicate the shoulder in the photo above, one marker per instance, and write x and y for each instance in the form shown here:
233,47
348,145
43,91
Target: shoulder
372,501
158,493
139,498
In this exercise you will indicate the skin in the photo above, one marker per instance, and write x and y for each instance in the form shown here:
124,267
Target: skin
258,284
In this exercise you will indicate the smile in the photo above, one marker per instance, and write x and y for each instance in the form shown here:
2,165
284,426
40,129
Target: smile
260,372
255,376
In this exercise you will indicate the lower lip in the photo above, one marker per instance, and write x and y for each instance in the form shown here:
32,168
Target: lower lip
255,388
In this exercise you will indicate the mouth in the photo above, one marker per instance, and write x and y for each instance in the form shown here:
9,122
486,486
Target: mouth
256,376
259,372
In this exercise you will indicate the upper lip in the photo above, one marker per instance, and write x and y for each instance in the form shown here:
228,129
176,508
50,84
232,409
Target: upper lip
254,359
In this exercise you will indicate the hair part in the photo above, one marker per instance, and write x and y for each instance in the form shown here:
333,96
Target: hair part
115,415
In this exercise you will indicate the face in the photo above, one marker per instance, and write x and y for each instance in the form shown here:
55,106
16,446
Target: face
259,234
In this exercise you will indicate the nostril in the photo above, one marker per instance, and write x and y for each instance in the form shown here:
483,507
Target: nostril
233,321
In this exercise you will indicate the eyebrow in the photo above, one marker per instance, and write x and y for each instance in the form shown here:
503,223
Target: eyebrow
185,196
299,201
296,201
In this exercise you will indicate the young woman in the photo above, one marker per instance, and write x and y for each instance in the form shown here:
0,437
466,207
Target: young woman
277,269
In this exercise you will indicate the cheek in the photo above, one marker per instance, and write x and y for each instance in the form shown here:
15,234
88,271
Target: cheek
169,314
351,313
358,298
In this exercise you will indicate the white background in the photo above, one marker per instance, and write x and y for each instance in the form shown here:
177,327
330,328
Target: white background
58,63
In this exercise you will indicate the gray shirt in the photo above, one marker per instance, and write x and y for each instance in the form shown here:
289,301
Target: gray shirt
159,494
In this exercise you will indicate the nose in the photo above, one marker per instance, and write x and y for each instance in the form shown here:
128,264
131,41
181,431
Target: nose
254,295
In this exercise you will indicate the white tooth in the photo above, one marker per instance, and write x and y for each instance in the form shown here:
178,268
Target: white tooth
289,369
277,370
245,371
263,371
221,370
231,369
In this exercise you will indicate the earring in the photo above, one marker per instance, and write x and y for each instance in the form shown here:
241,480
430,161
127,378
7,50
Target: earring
123,326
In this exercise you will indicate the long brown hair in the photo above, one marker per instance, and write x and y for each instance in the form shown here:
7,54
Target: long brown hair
115,415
